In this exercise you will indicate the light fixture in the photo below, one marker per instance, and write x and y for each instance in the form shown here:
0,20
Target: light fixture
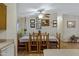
70,23
40,16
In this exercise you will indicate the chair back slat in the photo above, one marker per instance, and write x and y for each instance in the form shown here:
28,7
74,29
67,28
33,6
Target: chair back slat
39,39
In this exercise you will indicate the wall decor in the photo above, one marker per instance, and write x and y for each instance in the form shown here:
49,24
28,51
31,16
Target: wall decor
38,26
45,22
38,23
32,23
71,24
54,23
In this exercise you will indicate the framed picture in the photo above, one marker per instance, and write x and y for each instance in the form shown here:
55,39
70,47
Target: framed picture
38,24
71,24
45,22
54,23
32,23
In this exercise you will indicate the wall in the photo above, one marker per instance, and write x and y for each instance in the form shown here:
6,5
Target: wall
62,19
10,32
60,25
68,32
50,29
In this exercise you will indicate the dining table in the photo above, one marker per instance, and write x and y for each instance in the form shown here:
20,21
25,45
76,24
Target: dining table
26,38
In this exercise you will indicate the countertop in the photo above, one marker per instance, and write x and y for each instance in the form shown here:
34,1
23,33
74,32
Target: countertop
6,43
61,52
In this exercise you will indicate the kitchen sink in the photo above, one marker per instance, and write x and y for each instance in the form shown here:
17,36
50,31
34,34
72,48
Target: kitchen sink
2,40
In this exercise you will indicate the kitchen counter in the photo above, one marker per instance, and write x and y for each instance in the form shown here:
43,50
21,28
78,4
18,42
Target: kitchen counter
61,52
5,43
6,47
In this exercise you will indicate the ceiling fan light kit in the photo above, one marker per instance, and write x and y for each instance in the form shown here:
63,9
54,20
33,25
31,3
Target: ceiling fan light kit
40,16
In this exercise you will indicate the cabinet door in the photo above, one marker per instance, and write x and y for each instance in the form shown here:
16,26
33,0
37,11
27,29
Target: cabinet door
2,16
8,50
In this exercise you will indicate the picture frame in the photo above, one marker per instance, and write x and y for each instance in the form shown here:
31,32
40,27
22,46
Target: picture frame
38,23
45,22
54,23
38,26
71,24
32,23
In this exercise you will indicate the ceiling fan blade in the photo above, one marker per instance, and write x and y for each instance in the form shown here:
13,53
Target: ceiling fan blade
31,10
33,13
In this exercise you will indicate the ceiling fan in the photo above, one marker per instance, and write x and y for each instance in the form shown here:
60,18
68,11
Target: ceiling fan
39,12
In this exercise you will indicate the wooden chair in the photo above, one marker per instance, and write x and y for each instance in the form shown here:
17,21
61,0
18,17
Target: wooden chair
43,41
33,43
17,42
20,45
58,35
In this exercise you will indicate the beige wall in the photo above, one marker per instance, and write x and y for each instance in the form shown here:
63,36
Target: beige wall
10,32
60,27
50,29
68,32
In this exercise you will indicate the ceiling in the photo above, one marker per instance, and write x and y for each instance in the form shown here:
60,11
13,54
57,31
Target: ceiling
24,9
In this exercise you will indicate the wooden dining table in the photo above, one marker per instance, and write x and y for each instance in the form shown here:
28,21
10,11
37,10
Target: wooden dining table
25,39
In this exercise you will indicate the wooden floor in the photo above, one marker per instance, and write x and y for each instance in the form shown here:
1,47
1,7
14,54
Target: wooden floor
24,53
67,45
64,45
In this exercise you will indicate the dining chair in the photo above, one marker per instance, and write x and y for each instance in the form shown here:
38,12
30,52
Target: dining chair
58,36
33,43
43,41
21,45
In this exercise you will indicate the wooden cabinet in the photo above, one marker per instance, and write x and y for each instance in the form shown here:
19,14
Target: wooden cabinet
3,15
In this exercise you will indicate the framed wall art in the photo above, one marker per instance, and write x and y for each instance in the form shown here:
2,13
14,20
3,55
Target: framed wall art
32,23
71,24
45,22
38,24
54,23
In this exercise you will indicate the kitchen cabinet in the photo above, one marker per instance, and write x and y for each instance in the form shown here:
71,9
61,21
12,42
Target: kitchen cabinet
3,14
7,51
